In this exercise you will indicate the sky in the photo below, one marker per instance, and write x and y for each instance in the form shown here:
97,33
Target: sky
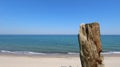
58,16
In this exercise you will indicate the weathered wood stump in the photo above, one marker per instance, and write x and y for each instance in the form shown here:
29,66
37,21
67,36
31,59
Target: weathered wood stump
90,45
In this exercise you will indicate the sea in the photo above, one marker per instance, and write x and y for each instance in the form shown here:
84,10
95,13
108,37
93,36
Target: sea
52,44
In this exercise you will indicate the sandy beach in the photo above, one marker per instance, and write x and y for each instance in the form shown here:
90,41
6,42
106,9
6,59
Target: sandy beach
52,61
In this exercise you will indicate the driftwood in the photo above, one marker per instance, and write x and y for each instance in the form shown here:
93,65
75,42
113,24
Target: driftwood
90,45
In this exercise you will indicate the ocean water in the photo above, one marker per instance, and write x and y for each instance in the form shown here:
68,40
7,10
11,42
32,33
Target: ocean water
52,44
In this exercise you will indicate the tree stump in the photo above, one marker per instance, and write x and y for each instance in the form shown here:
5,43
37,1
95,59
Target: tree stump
90,45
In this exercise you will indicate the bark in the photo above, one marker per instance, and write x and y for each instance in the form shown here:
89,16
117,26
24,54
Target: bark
90,45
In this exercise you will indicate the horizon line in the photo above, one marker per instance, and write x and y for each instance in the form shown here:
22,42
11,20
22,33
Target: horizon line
53,34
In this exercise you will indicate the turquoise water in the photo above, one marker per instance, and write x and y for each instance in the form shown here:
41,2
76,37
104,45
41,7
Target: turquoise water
38,44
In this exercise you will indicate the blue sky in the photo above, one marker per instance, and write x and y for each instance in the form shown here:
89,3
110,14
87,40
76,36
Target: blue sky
58,16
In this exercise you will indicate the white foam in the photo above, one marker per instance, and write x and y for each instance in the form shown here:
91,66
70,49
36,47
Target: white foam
37,53
22,52
72,53
111,52
5,51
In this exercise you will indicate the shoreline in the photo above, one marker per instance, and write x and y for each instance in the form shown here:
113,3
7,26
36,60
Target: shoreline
41,55
54,55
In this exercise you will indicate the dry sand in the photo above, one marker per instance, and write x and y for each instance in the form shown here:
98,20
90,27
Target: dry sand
54,61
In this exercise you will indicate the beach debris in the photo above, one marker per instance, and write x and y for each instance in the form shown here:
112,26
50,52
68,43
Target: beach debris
90,45
63,66
66,66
